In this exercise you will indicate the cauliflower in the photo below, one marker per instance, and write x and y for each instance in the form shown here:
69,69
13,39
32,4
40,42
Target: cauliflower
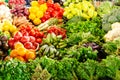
114,33
115,25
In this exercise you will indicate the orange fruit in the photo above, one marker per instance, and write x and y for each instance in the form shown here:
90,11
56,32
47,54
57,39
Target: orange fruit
13,53
19,45
30,55
20,58
21,51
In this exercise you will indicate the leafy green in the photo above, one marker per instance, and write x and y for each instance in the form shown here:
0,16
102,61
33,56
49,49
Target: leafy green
86,70
14,70
93,26
60,70
82,53
80,38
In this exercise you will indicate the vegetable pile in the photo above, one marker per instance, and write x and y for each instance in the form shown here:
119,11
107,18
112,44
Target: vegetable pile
56,40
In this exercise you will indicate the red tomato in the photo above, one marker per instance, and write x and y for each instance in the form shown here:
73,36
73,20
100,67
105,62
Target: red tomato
39,40
32,33
17,36
32,39
50,10
37,34
47,17
55,13
49,4
11,42
28,45
25,33
57,6
43,19
25,39
42,34
28,28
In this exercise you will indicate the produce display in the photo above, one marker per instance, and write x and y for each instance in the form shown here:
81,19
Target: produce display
59,40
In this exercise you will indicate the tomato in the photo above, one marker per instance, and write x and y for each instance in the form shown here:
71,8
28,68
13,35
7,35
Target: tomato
50,9
28,28
57,6
25,39
36,45
42,34
47,17
49,4
32,39
32,33
28,45
43,19
37,34
25,33
39,40
61,11
11,42
55,13
17,36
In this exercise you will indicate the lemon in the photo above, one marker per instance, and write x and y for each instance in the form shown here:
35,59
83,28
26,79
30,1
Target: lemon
39,14
34,3
36,21
32,16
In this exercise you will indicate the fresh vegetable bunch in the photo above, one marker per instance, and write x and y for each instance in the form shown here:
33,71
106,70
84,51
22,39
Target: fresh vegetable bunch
93,26
84,9
29,36
19,10
21,53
